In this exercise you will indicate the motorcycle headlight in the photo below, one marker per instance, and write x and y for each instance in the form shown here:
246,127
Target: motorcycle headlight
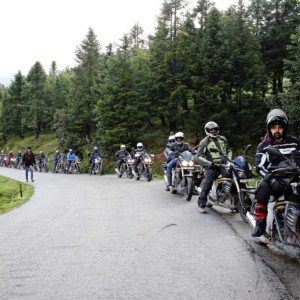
184,163
191,163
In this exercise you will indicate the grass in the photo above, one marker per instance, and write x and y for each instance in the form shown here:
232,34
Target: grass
10,197
46,142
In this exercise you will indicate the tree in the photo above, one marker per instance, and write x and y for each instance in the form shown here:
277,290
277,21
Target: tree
123,109
36,110
84,93
16,96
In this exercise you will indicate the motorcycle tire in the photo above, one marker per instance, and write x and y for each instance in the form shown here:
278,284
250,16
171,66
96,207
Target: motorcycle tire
149,175
242,210
100,170
189,188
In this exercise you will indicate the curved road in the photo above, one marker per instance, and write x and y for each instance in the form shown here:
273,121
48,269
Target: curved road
91,237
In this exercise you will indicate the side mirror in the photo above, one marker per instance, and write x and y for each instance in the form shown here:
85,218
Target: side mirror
247,148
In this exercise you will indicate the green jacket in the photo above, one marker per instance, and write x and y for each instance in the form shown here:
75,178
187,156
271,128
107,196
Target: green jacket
204,156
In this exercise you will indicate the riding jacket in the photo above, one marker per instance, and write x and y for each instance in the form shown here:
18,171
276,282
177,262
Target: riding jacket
205,155
286,146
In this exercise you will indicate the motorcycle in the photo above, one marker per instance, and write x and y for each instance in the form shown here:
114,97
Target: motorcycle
232,188
126,167
75,167
60,167
283,219
182,175
19,163
42,165
144,165
98,166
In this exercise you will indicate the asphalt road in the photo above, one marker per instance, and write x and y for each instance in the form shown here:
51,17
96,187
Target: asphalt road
92,237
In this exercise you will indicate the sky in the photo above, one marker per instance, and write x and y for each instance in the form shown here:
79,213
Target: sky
51,30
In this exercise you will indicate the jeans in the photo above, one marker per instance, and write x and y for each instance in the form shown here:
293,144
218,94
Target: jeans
210,176
69,165
29,169
171,165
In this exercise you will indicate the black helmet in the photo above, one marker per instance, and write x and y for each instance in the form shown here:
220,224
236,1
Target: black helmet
209,126
277,117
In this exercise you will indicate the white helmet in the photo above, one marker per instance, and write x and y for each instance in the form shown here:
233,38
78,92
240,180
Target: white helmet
171,138
139,146
122,147
70,150
95,148
209,126
179,137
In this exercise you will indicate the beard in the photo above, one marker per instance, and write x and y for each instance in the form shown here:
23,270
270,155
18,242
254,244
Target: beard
277,136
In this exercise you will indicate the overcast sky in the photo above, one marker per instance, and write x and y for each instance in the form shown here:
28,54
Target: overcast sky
47,30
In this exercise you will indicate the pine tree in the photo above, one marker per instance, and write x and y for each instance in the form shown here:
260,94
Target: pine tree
36,110
84,94
16,96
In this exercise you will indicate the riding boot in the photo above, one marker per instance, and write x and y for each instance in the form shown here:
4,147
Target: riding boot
261,220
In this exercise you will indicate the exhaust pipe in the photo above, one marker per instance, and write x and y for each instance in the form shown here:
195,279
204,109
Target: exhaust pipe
251,219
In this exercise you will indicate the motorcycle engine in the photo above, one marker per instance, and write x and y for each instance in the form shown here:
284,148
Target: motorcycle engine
293,217
224,190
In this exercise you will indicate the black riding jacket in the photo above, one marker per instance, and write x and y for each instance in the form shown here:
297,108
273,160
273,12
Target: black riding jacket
286,146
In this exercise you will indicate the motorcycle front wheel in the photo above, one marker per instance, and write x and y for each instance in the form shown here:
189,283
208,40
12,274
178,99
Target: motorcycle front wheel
189,188
244,207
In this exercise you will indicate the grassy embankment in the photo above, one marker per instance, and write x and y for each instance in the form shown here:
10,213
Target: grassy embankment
10,197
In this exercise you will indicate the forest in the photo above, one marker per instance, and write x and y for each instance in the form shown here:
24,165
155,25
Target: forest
200,64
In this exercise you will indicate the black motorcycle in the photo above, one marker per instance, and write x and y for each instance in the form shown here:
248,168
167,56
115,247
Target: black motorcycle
283,220
232,188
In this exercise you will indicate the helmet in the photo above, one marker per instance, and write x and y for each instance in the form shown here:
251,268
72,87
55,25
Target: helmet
41,152
277,117
70,150
57,151
95,148
171,138
139,146
209,126
179,137
122,147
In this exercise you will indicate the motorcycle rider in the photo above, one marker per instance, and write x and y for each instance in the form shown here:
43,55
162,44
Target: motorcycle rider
41,159
137,153
277,137
2,156
71,156
94,154
120,157
56,159
207,157
9,157
177,148
19,159
168,151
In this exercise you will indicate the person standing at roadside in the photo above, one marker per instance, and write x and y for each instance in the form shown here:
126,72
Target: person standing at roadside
29,163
